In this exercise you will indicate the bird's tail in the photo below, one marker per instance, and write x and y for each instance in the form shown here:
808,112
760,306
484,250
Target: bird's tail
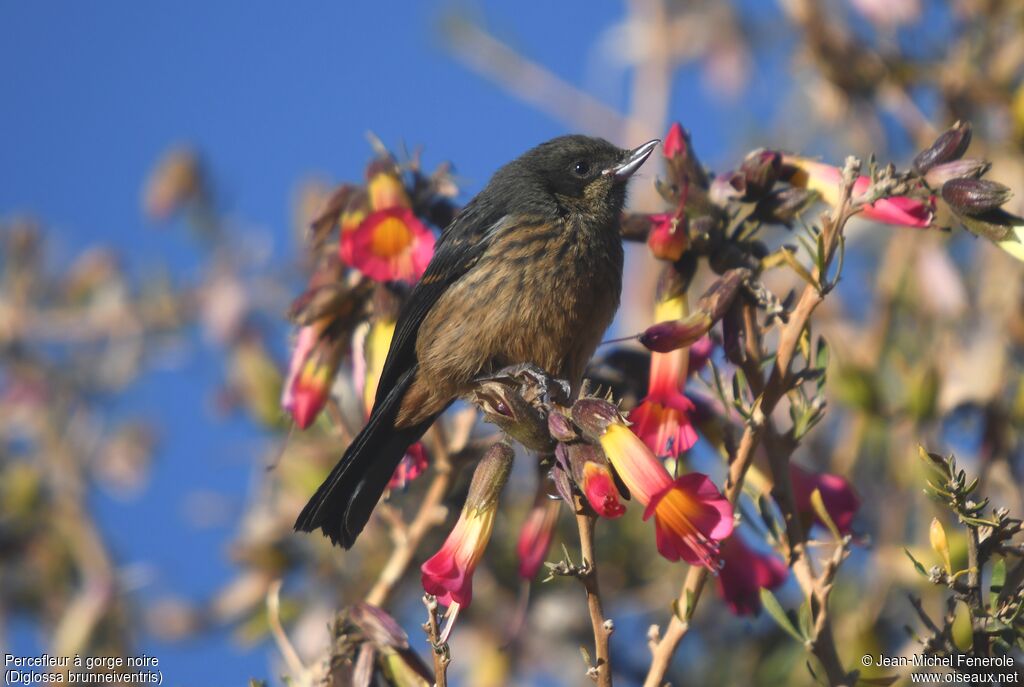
343,503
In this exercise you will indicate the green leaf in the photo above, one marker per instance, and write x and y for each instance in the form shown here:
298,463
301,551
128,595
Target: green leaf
775,610
917,564
819,508
998,580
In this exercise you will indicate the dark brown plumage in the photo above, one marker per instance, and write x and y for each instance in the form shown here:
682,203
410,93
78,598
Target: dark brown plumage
528,272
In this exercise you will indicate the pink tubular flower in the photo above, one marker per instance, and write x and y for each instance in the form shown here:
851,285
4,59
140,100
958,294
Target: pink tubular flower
690,515
311,373
838,497
662,419
745,572
389,245
826,181
535,536
448,574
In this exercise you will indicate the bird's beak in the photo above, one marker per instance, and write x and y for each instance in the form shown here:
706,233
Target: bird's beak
634,159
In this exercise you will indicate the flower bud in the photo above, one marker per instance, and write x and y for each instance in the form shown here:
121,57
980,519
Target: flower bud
937,537
760,171
593,415
560,427
968,168
676,141
974,196
951,145
669,336
489,477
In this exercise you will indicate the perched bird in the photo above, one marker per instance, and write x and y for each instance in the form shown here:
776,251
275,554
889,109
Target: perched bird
529,271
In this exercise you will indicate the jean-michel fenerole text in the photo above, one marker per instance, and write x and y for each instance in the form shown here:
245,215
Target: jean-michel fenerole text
959,661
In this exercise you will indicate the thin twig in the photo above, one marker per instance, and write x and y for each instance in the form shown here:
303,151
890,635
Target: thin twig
439,648
601,671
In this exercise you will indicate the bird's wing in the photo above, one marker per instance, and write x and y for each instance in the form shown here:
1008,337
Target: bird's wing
459,248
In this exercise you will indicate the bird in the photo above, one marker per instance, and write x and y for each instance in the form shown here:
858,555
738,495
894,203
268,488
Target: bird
528,272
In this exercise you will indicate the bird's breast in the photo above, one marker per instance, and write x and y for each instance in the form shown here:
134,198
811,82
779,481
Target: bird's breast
541,294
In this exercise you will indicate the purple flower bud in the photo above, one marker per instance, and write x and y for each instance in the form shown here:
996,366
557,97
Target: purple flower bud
974,196
594,415
560,427
760,170
951,145
668,336
968,168
489,477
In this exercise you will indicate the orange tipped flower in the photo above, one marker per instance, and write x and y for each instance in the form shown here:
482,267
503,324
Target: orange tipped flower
448,574
826,181
311,373
690,515
536,534
662,419
389,245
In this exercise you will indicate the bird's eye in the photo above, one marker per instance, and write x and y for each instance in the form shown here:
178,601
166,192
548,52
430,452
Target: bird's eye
581,168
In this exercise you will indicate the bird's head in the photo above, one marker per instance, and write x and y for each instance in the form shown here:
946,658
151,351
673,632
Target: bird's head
581,174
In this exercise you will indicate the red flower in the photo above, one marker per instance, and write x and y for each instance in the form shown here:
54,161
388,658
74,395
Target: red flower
690,515
389,245
448,574
536,535
838,497
745,572
600,490
662,419
826,180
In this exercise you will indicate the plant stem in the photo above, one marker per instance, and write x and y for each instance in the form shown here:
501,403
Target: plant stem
601,671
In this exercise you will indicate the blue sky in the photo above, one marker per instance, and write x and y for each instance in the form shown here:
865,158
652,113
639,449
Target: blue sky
270,94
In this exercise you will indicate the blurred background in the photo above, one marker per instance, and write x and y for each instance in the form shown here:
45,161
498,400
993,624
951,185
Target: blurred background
160,164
